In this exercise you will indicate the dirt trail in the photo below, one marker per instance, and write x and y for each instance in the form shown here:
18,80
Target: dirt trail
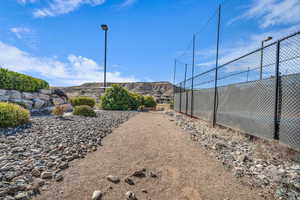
151,141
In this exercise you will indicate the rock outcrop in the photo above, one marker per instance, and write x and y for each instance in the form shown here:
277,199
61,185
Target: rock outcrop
37,102
162,91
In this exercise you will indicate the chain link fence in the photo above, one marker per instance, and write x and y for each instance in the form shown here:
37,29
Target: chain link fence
257,93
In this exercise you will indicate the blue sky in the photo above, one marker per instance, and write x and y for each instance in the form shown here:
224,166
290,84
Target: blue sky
60,40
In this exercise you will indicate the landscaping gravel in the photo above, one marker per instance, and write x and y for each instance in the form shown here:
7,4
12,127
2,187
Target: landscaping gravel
33,155
265,163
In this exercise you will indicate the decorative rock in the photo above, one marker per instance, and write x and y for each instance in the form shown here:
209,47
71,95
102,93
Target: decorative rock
97,195
18,149
46,175
68,107
35,187
14,94
29,96
265,164
38,103
153,175
58,101
40,182
129,181
35,173
4,98
243,158
22,196
296,157
144,191
130,195
59,178
44,97
27,103
113,179
139,173
63,165
30,151
2,92
46,92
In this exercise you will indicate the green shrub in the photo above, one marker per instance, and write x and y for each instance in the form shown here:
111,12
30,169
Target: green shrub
15,81
84,110
135,100
23,105
12,115
81,101
149,102
116,98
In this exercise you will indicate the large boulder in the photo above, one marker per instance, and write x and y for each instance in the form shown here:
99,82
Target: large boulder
2,92
30,96
27,103
58,101
44,97
14,94
68,107
3,95
60,93
46,92
38,103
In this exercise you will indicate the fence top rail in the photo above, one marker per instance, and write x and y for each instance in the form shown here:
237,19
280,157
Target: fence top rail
259,49
243,56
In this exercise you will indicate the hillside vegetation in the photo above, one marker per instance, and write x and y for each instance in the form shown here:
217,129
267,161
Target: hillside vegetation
119,98
16,81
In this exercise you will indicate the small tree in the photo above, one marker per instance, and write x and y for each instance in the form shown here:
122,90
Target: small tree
149,102
116,98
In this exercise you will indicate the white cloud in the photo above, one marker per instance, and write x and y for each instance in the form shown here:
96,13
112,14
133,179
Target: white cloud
273,12
26,1
60,7
27,36
127,3
76,70
20,31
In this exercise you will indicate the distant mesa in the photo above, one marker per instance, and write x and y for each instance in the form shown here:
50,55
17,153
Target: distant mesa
162,91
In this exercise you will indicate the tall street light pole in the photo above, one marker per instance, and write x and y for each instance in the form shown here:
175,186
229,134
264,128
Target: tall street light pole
262,56
105,29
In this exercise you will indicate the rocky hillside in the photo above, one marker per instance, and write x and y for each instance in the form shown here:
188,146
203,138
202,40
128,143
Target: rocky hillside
162,91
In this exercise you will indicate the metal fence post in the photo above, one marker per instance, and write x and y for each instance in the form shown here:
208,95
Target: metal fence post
174,86
193,69
180,97
186,94
276,117
216,71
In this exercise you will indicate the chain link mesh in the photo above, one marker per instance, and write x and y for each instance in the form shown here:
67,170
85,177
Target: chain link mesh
246,92
289,104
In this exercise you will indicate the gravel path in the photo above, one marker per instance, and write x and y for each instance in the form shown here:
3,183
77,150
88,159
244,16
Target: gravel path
154,142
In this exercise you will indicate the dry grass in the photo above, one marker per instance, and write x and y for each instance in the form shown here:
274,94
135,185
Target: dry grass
162,107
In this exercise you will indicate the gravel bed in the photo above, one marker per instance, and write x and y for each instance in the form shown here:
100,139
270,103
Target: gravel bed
265,164
33,155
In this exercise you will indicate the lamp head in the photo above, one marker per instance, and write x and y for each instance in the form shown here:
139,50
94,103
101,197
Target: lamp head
104,27
268,39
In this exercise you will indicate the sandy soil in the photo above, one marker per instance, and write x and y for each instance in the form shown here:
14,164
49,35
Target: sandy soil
151,141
